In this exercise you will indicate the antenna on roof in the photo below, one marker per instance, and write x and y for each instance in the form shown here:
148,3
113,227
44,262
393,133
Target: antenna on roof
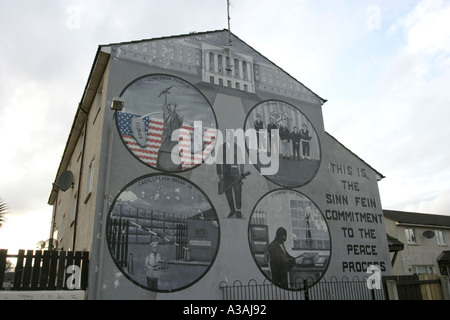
228,14
229,68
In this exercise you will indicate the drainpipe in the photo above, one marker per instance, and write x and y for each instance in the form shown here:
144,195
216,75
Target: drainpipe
79,178
106,201
52,226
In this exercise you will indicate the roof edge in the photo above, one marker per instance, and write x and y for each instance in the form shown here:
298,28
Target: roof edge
380,175
211,32
417,219
98,67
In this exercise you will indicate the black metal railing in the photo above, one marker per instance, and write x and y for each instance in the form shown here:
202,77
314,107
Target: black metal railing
333,289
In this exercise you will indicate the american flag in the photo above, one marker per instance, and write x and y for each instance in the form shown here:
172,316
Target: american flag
153,131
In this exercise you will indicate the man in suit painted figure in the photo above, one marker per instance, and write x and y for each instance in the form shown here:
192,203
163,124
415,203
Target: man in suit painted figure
259,125
231,176
279,259
295,138
285,137
271,126
305,138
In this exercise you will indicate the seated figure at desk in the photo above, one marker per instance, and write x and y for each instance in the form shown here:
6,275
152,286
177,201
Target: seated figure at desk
280,260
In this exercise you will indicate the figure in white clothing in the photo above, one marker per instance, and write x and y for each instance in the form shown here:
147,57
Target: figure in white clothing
152,266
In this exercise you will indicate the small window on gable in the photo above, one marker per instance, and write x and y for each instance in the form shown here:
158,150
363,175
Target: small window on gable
440,237
90,179
411,235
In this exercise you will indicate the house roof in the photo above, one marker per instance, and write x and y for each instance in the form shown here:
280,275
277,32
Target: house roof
98,66
193,34
419,219
394,244
444,257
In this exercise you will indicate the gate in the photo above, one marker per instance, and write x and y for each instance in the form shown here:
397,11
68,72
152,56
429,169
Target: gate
407,286
181,240
416,287
118,233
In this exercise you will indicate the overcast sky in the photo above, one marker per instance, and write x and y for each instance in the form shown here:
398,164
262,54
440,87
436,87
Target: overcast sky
383,66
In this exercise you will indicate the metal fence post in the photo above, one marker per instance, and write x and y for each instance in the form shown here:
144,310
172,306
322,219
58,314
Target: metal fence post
372,292
3,257
305,289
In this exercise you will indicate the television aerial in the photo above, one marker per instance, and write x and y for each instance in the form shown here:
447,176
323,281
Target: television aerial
54,244
45,244
40,244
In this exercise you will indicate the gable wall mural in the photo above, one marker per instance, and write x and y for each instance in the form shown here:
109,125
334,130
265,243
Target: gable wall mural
219,169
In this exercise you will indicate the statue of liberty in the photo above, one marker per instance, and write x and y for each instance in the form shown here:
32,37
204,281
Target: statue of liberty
172,121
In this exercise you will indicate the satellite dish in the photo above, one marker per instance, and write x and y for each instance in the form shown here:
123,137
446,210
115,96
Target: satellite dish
54,244
40,244
428,234
65,181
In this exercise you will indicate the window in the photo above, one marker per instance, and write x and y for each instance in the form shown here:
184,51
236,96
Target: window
80,144
309,231
411,236
440,237
61,228
220,62
98,101
74,208
423,269
90,179
55,234
211,61
244,70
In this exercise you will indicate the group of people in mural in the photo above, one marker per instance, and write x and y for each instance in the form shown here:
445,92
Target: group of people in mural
294,140
298,157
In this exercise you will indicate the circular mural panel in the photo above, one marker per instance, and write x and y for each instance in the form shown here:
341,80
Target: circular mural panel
289,239
163,232
294,158
166,123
